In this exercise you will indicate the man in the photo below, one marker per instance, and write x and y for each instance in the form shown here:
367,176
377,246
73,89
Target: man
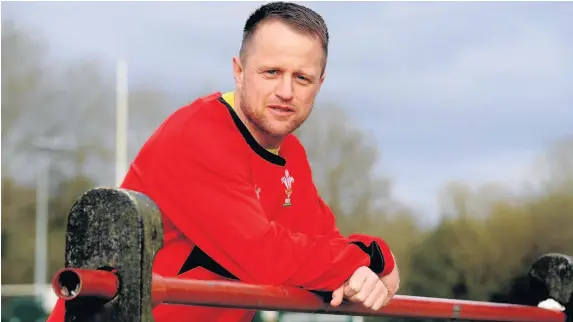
235,186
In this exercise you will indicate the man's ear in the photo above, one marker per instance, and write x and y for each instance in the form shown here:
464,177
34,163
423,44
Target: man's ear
237,71
321,80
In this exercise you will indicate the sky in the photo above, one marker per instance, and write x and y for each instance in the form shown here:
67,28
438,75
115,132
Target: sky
449,91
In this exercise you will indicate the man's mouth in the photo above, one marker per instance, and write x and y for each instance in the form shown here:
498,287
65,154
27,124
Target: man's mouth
281,109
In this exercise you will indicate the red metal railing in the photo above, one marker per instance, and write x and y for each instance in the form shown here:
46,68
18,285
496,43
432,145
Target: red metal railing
71,283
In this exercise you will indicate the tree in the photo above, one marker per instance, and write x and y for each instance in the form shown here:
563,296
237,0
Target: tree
556,166
17,225
343,163
485,244
73,100
22,78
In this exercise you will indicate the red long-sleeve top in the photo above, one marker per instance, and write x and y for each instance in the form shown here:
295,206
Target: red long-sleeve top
233,210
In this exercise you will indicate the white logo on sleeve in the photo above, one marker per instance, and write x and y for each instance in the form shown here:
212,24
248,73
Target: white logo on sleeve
258,192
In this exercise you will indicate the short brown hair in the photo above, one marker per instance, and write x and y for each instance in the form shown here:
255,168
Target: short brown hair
300,18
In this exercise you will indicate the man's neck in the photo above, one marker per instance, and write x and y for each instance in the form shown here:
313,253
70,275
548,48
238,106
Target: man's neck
266,141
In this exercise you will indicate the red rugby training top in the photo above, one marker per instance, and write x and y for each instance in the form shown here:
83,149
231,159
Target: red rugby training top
233,210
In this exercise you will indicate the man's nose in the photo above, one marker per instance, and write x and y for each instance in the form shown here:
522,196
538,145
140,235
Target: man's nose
284,89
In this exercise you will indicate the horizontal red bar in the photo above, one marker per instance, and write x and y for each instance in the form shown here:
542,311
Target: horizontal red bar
71,282
258,297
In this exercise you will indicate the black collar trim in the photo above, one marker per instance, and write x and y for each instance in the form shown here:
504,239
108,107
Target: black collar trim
262,152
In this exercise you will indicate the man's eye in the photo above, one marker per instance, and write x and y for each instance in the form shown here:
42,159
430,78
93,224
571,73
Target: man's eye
272,71
303,79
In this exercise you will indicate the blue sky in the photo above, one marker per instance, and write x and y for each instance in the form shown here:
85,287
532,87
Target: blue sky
471,91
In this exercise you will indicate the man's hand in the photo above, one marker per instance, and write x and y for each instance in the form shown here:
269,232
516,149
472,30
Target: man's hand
392,282
365,287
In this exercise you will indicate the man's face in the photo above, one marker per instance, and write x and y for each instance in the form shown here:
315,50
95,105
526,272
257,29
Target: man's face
279,79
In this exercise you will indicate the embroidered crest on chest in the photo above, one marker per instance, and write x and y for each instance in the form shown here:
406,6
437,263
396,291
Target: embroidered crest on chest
287,181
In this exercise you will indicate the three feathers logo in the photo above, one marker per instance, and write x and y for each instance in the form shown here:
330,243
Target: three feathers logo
287,181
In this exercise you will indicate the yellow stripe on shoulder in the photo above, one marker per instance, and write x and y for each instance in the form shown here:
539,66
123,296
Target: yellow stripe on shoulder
229,97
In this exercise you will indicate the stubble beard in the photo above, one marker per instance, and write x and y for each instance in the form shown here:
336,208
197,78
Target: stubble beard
262,124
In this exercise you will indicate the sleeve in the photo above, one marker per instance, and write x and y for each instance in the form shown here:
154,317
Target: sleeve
204,189
59,312
363,241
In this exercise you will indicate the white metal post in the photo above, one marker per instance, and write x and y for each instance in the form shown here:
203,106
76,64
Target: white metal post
122,112
42,206
46,147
